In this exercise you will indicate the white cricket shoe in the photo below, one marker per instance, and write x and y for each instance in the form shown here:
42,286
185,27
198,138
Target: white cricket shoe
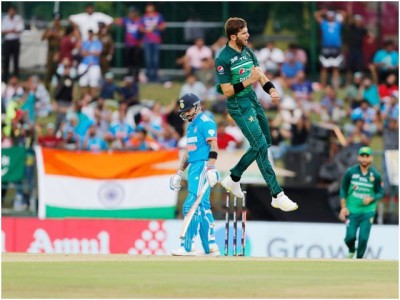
233,187
214,251
182,252
283,202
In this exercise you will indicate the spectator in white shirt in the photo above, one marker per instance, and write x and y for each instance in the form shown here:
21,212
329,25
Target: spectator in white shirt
12,26
271,58
89,20
192,85
195,56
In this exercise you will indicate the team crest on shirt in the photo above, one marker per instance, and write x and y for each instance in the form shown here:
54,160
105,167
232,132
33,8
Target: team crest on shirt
211,132
371,177
241,71
220,69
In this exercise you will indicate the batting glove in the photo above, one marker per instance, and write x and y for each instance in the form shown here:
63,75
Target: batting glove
175,181
212,175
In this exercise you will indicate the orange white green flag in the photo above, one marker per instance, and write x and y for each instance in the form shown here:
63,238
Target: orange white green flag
131,185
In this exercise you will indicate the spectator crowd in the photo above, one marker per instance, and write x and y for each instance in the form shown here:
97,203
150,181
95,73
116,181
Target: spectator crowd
110,115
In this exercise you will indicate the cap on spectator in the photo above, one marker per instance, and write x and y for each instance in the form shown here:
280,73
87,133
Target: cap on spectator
145,111
330,13
57,15
358,17
365,151
51,126
358,75
109,75
356,115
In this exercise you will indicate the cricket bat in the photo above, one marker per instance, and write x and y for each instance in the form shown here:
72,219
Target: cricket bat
189,215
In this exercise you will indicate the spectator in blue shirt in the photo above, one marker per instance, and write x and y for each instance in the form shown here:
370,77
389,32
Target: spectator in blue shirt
368,114
121,131
386,60
369,91
331,51
390,110
109,88
303,92
290,68
93,141
90,51
130,91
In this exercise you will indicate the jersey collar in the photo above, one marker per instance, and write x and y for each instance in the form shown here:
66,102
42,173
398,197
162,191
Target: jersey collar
233,50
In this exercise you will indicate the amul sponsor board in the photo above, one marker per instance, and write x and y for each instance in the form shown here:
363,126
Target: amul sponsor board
156,237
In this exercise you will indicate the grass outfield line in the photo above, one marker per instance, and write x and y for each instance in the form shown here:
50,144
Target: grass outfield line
125,276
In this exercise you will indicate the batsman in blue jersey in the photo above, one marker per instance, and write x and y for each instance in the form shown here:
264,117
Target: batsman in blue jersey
200,155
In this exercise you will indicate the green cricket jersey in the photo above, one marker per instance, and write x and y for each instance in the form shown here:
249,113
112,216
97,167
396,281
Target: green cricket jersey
233,67
355,186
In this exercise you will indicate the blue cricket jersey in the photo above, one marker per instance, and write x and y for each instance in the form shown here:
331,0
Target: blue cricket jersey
331,34
199,131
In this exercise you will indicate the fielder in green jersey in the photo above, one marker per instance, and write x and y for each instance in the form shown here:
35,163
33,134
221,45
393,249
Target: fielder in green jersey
360,191
237,69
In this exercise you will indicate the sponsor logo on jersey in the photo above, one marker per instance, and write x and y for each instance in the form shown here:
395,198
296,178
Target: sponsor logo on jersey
363,179
220,69
234,59
192,139
241,71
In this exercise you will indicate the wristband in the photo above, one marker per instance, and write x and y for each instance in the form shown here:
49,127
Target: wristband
238,87
180,172
213,154
268,86
209,167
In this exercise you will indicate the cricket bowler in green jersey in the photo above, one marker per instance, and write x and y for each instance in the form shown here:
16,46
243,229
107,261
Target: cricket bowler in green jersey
237,69
360,191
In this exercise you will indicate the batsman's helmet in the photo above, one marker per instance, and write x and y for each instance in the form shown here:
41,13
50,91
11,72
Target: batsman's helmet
187,102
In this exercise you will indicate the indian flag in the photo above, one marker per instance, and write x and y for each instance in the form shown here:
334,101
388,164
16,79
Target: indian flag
131,185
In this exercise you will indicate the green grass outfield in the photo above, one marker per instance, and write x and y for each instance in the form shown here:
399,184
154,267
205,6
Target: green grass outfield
124,276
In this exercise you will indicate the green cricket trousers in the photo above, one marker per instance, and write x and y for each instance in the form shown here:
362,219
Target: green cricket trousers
363,221
250,117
